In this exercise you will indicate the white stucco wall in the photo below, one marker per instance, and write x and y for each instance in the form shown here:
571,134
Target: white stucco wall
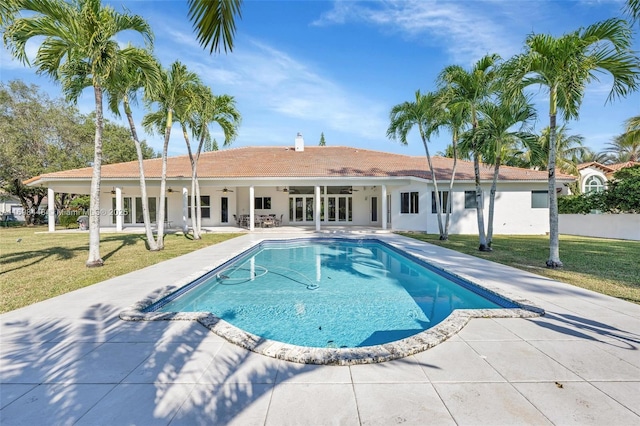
513,211
619,226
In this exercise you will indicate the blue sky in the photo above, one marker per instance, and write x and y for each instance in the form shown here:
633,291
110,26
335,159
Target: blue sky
338,67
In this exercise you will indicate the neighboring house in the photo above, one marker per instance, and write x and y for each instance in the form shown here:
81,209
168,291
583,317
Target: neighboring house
10,207
315,186
595,176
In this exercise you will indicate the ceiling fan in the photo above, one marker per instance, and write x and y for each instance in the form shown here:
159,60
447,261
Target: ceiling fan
285,189
225,190
112,192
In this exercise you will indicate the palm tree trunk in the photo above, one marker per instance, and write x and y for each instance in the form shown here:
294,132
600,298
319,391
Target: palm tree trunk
454,144
479,207
195,198
492,199
94,209
153,246
163,180
554,240
435,186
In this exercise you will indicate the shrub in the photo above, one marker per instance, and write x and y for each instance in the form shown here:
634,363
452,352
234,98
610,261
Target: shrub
68,218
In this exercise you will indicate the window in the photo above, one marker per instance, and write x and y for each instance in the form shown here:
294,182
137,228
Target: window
470,201
205,206
409,202
593,184
153,204
444,202
262,203
539,199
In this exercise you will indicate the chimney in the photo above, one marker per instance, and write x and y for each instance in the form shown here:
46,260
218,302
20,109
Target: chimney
299,143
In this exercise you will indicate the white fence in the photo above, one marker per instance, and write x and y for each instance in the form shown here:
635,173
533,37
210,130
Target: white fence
620,226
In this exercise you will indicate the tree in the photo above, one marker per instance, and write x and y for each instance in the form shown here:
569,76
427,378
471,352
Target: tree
632,8
626,147
503,126
470,90
322,141
170,95
79,49
421,113
135,75
564,66
568,150
210,109
214,22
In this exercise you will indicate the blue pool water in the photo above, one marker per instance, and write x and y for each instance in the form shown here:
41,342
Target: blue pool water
329,293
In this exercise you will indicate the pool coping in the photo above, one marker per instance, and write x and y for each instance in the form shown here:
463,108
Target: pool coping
334,356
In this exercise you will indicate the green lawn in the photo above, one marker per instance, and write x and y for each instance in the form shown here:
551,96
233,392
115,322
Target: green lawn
607,266
35,266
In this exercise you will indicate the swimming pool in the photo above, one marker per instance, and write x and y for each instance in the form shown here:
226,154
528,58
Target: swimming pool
331,301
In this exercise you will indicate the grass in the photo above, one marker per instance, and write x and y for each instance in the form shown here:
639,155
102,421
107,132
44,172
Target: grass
607,266
43,265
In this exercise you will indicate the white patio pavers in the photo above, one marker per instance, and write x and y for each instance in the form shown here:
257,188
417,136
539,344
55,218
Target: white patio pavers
70,360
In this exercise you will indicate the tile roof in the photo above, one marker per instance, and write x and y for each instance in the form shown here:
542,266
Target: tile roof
315,161
609,169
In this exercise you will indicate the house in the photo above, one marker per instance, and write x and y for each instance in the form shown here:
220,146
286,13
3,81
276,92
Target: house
594,176
10,207
319,186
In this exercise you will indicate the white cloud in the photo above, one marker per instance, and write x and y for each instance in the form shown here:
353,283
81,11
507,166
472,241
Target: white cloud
466,30
266,79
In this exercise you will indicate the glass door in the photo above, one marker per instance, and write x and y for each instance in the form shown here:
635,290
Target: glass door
224,210
301,208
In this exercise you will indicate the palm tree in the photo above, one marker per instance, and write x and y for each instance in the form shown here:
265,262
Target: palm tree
452,117
632,8
423,112
169,96
186,115
133,76
564,66
470,90
626,147
79,49
587,155
496,130
214,22
569,150
212,109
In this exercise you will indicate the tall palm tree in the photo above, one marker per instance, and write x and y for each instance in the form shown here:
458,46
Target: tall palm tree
453,117
132,77
212,109
497,130
564,66
186,114
171,95
423,113
470,91
79,49
214,21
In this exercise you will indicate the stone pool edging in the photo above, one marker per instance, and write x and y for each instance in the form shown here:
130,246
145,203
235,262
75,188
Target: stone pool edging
335,356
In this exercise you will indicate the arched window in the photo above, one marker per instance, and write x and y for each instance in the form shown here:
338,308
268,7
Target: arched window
593,184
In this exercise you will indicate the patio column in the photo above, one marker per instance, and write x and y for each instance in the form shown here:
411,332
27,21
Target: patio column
384,206
185,209
119,215
252,208
51,205
317,193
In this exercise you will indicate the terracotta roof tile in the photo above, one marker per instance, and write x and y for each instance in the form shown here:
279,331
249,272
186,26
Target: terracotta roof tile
316,161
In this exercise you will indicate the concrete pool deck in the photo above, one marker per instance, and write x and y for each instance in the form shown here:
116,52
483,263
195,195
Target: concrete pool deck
71,360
